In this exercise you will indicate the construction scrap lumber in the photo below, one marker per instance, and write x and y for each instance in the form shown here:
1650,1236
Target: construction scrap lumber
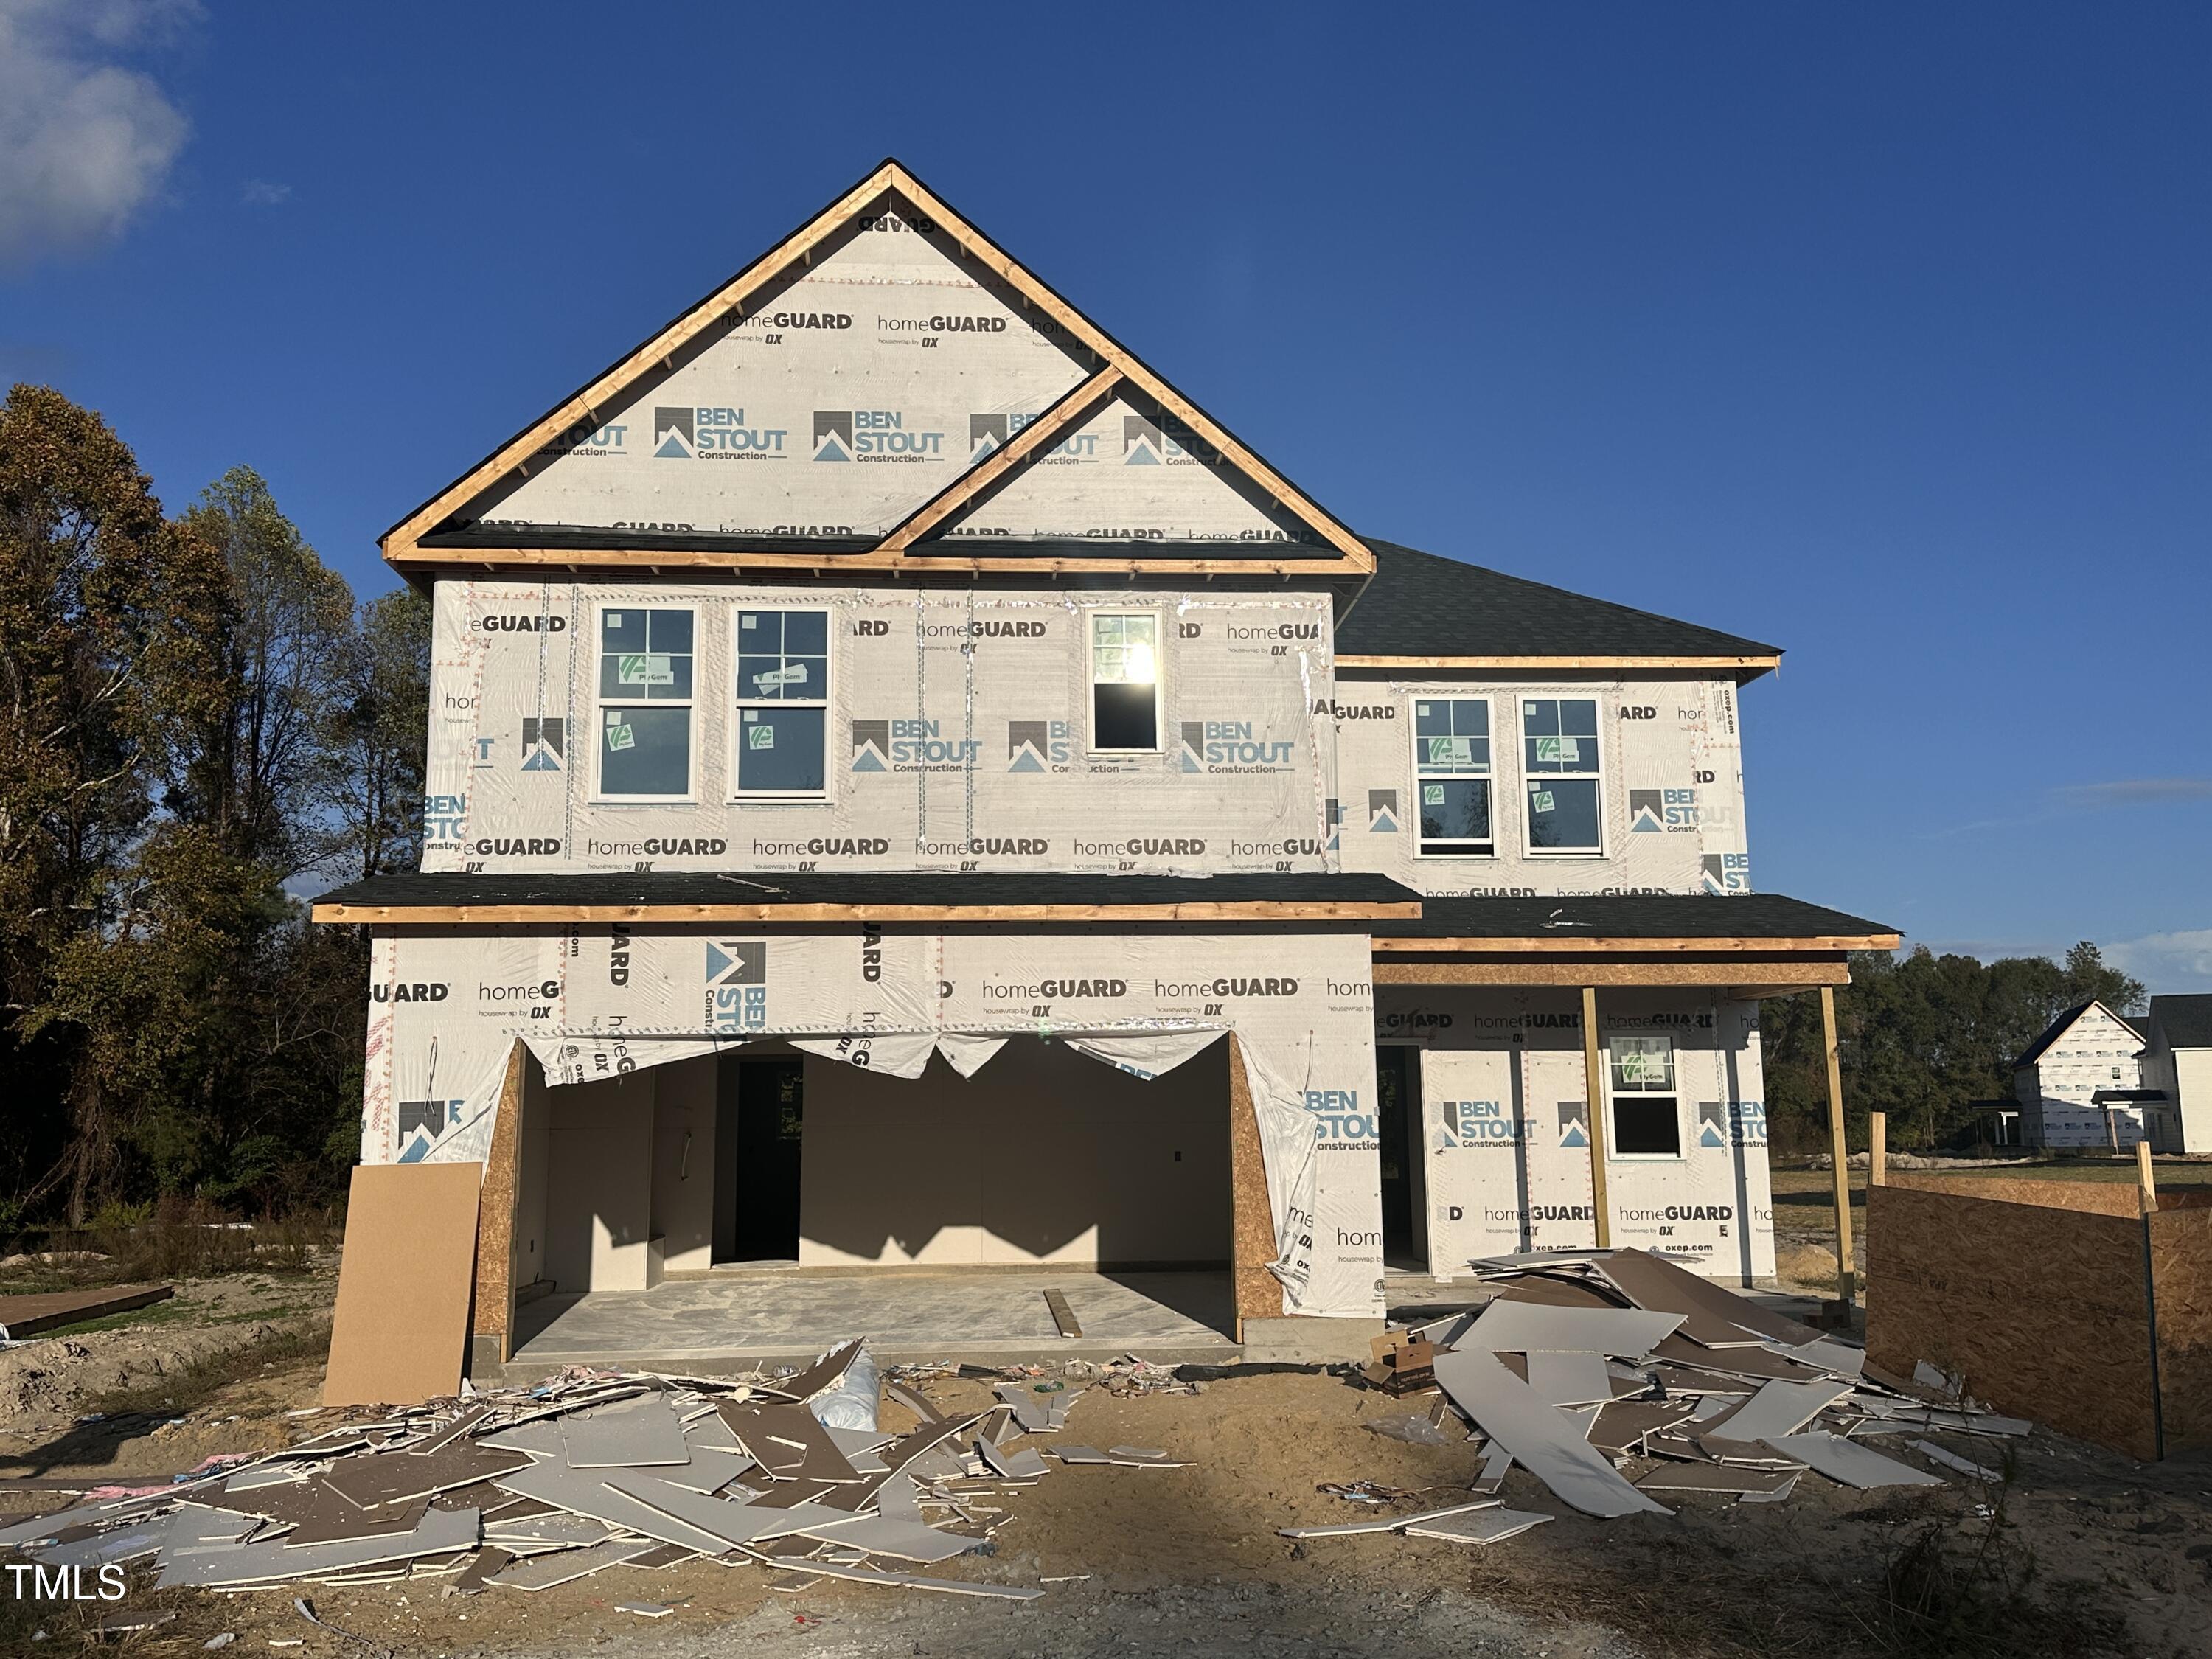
22,1316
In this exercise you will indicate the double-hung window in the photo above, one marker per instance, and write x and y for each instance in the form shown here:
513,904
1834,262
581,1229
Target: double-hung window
645,704
1125,681
1646,1122
1451,770
783,703
1560,769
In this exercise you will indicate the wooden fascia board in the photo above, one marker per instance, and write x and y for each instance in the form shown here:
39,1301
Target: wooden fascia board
1328,568
980,480
1718,665
1742,980
985,252
402,545
1256,910
1588,944
401,542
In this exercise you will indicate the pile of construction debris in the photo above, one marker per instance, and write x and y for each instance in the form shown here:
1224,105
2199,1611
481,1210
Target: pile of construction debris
525,1489
1612,1376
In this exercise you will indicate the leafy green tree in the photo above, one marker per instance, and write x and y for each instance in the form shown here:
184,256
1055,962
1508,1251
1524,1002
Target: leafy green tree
386,733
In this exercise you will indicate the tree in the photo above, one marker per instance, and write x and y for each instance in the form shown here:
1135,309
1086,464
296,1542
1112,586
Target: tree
109,625
386,731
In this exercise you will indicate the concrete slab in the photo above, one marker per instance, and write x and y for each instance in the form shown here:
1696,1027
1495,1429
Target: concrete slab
733,1319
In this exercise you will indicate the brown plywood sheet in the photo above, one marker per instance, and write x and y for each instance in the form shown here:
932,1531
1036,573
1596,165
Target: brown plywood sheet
405,1280
1944,1285
2181,1272
28,1315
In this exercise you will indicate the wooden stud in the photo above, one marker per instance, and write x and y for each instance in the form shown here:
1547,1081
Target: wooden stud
1593,1089
1255,911
1069,410
1846,1284
1877,1149
1730,665
2144,1174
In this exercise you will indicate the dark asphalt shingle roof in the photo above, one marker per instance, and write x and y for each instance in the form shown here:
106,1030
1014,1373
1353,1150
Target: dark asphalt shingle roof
1631,915
2185,1021
1419,604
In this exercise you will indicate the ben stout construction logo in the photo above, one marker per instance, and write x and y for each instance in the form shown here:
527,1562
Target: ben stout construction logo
714,434
737,986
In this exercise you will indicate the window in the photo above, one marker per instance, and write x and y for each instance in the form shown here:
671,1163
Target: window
1451,770
1644,1121
1558,736
783,703
645,704
1125,680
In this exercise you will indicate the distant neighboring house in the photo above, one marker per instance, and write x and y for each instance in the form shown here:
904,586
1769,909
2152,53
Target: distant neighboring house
2081,1084
2177,1064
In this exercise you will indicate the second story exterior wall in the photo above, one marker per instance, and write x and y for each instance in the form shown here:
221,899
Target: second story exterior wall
1528,785
581,726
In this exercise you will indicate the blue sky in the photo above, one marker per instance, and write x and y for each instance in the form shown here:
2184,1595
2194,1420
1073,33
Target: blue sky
1878,332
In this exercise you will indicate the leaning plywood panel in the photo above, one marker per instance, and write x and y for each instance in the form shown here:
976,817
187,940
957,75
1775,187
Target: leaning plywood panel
404,1283
2181,1274
1944,1285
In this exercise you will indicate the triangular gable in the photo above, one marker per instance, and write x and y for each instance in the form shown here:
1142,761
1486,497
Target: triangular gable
885,387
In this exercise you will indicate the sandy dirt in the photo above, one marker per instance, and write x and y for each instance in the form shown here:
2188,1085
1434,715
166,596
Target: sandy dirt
1188,1561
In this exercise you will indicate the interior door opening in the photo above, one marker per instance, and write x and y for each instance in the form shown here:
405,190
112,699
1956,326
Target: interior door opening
1397,1128
759,1120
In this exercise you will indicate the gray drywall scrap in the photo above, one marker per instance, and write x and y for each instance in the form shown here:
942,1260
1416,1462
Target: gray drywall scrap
635,1434
1849,1463
1778,1409
1489,1526
1541,1439
1526,1327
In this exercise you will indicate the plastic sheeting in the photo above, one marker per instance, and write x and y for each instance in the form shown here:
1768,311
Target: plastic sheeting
953,732
1670,767
1505,1125
593,1002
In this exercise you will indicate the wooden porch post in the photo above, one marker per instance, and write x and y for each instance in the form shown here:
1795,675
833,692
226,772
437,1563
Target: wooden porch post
1594,1088
1846,1279
492,1326
1255,1293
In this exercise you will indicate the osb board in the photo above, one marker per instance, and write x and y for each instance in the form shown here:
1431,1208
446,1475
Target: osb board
2043,1310
494,1309
2181,1271
404,1283
2121,1198
1252,1223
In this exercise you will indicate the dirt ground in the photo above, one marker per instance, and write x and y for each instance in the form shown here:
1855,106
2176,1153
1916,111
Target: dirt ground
1187,1561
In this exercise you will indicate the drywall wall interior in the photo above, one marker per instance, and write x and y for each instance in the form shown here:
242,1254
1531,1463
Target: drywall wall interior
594,1003
1506,1130
599,1184
957,723
1042,1156
1671,787
684,1163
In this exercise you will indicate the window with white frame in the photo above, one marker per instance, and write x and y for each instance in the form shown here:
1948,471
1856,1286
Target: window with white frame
644,702
1646,1119
1561,770
1451,773
783,724
1125,680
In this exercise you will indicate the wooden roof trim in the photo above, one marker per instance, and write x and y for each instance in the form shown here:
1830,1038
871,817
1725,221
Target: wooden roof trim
981,247
1737,977
1593,943
1733,665
1322,567
1251,910
980,480
402,543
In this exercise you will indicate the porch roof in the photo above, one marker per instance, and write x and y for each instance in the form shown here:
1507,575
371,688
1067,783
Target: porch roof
1764,923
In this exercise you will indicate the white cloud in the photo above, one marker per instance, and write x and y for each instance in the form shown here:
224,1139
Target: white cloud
2167,963
264,192
85,144
2132,792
